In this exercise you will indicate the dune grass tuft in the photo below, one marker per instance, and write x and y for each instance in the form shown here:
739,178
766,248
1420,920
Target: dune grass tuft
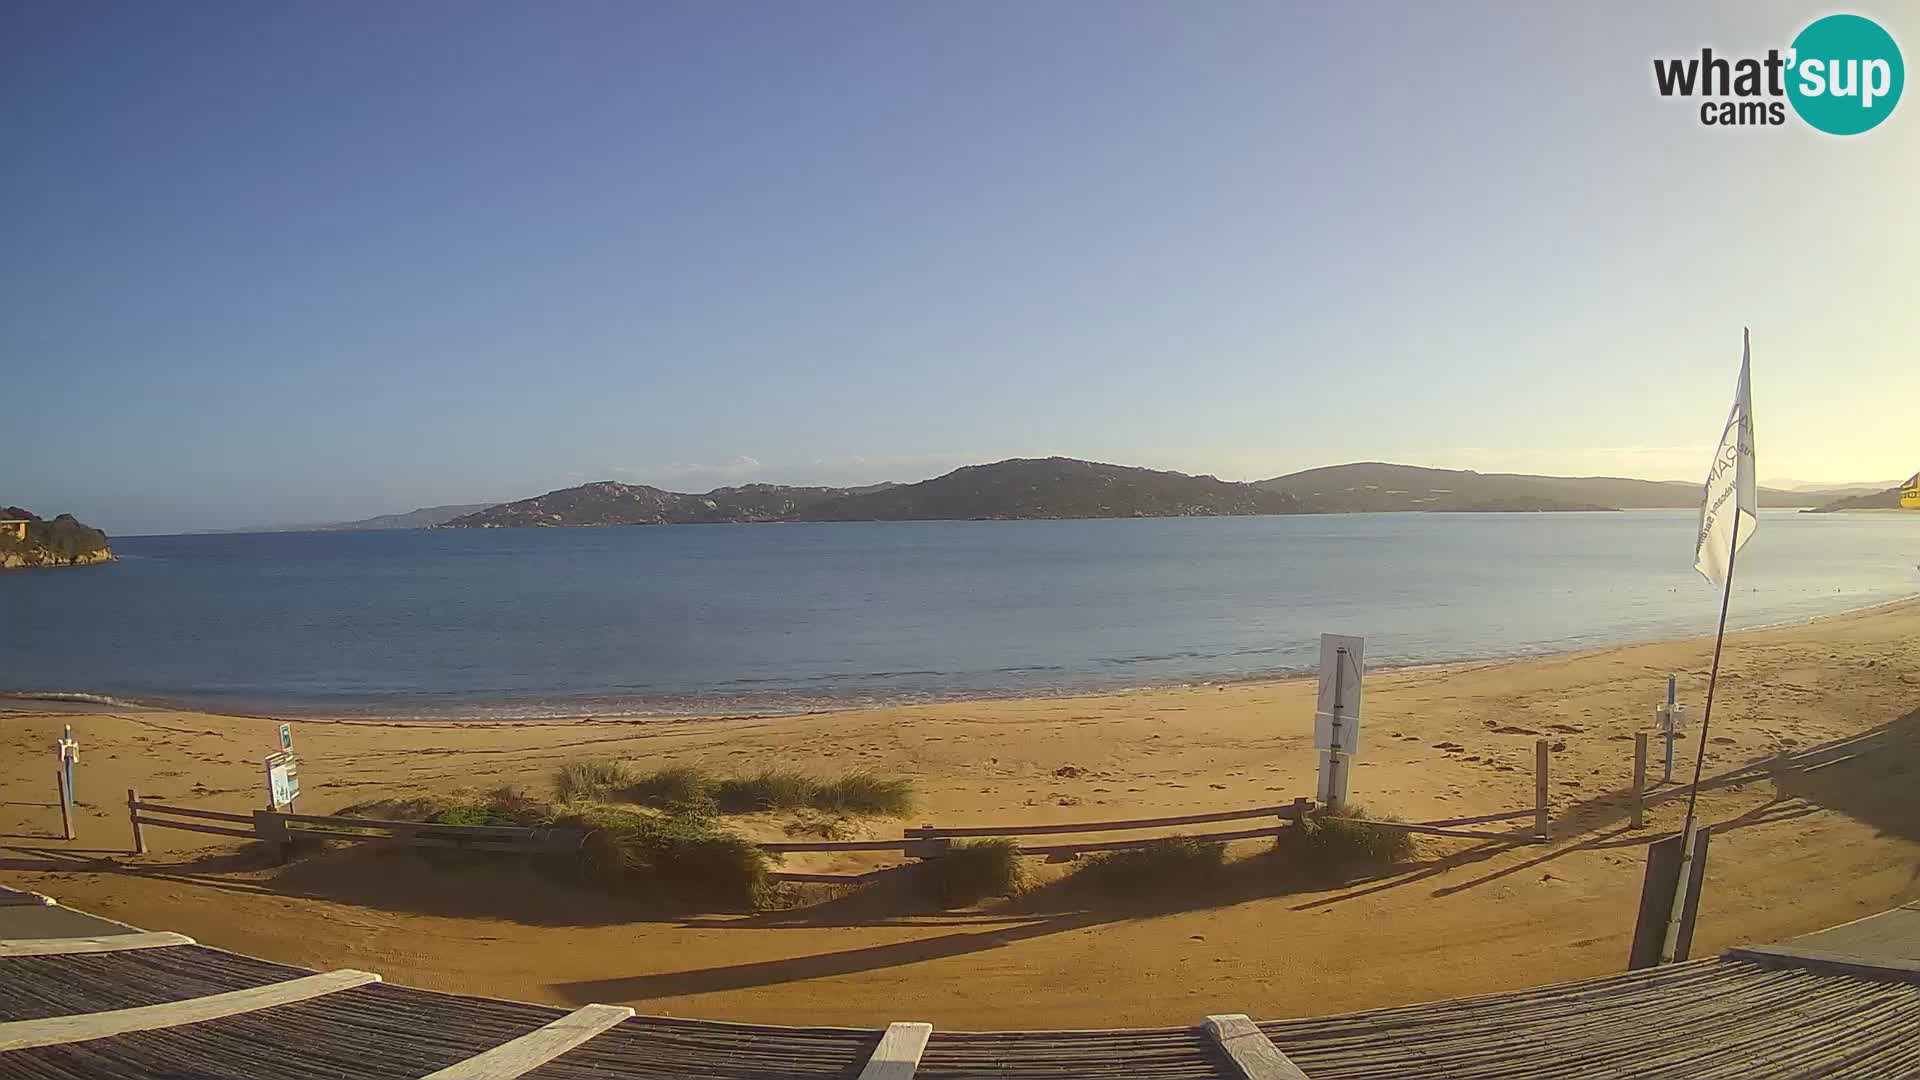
1173,863
688,788
975,871
1329,840
866,793
590,779
674,786
768,789
685,856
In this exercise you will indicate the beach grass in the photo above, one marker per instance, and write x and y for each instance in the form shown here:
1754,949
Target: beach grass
1329,840
687,856
591,779
682,853
689,787
973,871
1177,862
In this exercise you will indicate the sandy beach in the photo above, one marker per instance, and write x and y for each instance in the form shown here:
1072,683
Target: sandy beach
1467,917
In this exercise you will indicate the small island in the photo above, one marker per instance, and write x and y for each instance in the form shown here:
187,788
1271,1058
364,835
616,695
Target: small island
27,541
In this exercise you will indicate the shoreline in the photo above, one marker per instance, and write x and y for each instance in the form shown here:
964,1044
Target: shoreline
453,713
1439,742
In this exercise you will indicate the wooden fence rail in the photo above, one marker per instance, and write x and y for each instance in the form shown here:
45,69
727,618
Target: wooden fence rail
1287,811
920,842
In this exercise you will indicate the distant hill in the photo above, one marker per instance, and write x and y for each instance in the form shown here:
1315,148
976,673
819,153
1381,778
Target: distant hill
608,502
1879,500
1058,487
1054,488
1378,486
1017,488
424,518
60,542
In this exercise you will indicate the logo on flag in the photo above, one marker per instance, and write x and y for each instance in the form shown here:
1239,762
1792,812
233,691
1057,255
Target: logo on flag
1730,507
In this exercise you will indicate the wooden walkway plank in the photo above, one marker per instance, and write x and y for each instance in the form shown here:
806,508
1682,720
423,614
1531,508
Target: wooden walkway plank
55,1030
69,946
1252,1053
534,1049
898,1055
1836,962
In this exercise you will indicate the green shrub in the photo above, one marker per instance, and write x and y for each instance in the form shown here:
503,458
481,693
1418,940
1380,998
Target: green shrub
1175,862
975,871
590,780
1330,840
685,856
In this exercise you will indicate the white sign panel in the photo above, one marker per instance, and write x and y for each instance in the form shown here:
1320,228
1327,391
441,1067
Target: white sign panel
283,780
1346,739
1342,663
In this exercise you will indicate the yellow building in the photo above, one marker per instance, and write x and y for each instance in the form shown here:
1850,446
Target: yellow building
14,527
1910,493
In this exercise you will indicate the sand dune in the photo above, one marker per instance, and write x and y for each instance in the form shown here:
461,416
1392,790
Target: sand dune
1467,918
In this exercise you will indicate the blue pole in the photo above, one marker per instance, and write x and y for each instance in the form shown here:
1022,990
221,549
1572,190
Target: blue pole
1667,775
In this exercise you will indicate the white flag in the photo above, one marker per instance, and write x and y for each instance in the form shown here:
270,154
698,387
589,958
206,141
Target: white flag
1731,507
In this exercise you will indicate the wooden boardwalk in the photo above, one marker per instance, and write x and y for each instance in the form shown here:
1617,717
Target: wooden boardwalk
136,1006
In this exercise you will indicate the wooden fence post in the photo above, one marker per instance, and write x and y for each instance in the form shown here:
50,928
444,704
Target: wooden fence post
271,828
66,810
1639,780
1540,787
133,815
1301,804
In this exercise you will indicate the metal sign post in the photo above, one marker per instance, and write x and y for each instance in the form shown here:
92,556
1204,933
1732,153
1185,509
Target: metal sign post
1336,719
69,748
1668,716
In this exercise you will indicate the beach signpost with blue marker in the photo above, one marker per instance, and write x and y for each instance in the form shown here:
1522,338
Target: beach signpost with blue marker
283,773
1668,716
69,757
69,749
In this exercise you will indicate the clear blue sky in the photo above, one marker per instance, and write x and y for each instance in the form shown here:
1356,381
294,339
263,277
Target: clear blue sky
278,262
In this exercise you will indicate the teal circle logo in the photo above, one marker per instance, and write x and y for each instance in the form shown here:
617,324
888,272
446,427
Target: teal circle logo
1846,74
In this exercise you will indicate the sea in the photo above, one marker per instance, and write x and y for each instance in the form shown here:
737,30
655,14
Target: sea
739,619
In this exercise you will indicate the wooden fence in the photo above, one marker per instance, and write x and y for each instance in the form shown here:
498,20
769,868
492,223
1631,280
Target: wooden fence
920,842
1810,760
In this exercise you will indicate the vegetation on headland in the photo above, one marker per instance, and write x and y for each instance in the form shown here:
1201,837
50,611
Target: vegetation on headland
62,541
1058,487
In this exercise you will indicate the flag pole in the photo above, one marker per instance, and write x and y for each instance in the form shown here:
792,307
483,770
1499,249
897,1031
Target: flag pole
1670,945
1713,679
1742,418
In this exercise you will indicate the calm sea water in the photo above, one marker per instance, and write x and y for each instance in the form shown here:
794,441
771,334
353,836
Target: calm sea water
719,618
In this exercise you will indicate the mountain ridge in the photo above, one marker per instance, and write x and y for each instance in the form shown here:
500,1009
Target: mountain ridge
1061,487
